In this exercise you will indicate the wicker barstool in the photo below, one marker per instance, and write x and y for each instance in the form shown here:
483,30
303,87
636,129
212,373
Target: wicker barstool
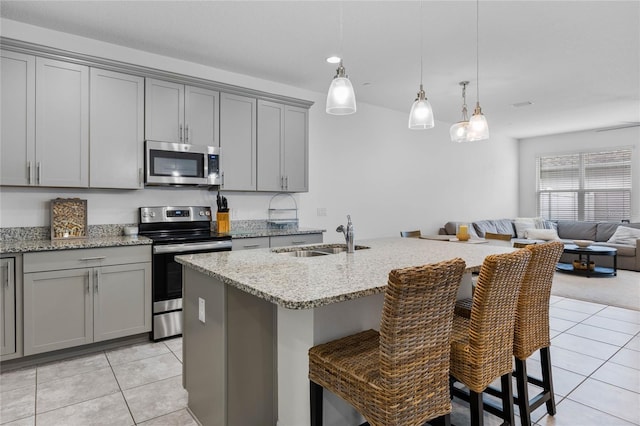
531,331
482,345
399,376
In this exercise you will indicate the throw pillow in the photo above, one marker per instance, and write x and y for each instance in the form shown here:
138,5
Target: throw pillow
625,235
522,224
541,234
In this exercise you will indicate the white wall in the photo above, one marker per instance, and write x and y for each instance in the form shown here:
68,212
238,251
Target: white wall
368,165
575,142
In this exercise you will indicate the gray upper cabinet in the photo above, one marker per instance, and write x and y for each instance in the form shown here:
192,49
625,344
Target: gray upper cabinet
62,124
116,130
18,109
282,147
181,114
238,142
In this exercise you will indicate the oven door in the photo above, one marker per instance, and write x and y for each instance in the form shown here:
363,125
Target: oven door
167,284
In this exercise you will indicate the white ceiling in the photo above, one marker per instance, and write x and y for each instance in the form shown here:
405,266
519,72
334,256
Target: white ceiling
578,62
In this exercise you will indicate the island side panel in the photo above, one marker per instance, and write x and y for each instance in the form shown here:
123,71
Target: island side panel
251,349
204,348
299,330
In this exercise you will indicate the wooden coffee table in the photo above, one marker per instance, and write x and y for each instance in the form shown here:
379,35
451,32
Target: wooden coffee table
586,254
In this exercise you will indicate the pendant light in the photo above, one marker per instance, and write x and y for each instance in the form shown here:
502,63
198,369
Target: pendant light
458,131
421,115
341,99
478,128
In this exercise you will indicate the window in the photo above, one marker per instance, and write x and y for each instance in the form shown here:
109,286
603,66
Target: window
585,185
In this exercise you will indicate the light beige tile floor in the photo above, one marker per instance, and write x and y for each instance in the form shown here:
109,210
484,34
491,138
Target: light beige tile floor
595,355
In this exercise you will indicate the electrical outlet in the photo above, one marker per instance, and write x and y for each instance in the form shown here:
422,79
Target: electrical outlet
201,309
322,211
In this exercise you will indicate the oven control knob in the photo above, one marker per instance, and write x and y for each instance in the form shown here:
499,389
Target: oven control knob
152,214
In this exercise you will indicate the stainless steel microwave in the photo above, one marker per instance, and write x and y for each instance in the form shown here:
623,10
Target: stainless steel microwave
181,164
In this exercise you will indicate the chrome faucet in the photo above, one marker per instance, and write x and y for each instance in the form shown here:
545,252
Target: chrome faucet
348,234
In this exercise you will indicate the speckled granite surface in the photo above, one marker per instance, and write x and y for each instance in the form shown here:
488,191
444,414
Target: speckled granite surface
37,238
272,232
309,282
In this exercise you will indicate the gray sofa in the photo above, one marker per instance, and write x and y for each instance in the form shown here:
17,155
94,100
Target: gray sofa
568,230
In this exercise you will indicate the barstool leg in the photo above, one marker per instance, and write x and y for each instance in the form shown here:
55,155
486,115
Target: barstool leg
523,392
547,379
476,408
441,421
507,398
315,393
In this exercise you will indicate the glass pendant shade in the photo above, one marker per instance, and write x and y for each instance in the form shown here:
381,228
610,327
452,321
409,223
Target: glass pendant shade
459,131
341,99
421,115
478,127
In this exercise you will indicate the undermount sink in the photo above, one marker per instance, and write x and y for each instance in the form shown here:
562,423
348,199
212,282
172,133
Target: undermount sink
314,251
305,253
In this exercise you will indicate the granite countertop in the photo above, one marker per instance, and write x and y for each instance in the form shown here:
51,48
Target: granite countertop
309,282
31,239
272,232
25,246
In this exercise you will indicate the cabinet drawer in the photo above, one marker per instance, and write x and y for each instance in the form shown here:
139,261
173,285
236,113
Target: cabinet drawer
250,243
295,240
85,258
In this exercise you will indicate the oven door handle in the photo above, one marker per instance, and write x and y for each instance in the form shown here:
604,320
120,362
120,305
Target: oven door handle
181,248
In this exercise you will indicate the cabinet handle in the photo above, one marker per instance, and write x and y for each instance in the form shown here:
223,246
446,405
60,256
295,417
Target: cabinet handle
140,176
88,279
297,243
186,133
248,246
86,259
6,283
180,133
29,172
286,182
38,172
281,182
222,175
96,281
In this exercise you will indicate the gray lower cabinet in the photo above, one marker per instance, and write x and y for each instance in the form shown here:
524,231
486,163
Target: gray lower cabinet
277,241
11,307
295,240
249,243
66,305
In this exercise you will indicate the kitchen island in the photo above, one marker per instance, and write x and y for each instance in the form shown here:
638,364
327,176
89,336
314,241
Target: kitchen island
251,316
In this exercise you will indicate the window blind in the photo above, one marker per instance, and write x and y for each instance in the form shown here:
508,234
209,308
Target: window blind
585,185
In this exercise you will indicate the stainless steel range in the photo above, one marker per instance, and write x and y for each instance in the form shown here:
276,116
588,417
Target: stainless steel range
175,230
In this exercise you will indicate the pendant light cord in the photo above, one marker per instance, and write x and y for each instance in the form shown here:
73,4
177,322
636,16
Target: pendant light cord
341,52
477,51
421,42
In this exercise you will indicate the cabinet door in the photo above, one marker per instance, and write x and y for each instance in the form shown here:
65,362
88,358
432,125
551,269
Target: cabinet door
122,300
270,137
116,130
201,116
164,111
58,310
249,243
296,149
7,307
238,142
17,142
62,123
295,240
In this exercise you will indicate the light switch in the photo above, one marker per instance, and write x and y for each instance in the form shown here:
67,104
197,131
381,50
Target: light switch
201,309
